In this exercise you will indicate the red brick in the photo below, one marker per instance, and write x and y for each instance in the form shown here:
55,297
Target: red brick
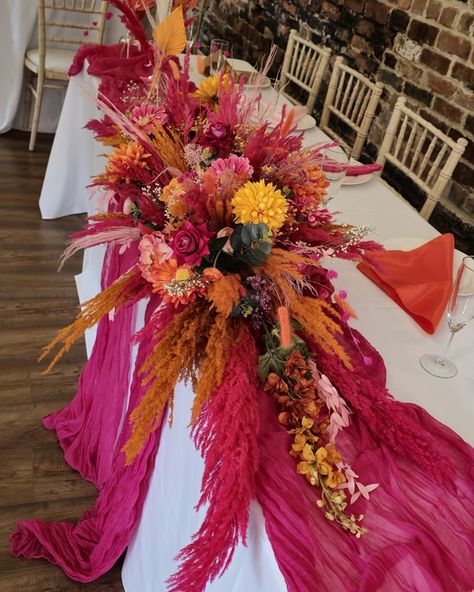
422,32
440,85
409,70
464,174
399,20
356,5
418,6
464,99
452,44
361,44
365,28
330,10
448,111
447,16
465,23
433,10
464,74
377,11
404,4
435,60
434,120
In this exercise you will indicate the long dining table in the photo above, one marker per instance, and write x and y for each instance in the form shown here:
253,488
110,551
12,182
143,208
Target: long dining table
169,517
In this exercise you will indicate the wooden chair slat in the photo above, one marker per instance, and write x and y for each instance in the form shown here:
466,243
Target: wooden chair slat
304,65
352,98
48,22
431,175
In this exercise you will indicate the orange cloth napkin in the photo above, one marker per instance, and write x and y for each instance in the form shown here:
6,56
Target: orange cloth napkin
419,281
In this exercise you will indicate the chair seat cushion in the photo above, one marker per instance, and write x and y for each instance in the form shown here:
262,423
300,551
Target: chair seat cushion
57,60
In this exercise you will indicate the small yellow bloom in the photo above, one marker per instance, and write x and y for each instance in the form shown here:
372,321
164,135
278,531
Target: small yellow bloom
182,274
208,89
260,202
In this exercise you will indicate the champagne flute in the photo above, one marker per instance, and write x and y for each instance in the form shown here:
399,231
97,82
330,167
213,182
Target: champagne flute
460,311
191,30
219,52
334,166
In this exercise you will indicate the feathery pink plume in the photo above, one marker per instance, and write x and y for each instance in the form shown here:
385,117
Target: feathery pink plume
226,433
121,235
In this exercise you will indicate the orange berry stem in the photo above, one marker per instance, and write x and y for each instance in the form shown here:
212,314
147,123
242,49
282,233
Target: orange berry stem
285,330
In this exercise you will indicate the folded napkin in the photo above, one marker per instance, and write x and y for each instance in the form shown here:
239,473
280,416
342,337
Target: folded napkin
363,169
419,281
353,170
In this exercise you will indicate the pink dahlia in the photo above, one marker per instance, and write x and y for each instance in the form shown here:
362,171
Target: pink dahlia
236,165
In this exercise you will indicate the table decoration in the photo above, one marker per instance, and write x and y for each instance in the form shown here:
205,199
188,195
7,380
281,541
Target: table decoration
219,223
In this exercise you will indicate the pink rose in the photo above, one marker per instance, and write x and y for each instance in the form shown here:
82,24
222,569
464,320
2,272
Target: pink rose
191,243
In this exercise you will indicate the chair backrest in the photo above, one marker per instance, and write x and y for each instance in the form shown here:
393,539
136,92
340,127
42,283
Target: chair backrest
353,99
70,22
421,151
304,64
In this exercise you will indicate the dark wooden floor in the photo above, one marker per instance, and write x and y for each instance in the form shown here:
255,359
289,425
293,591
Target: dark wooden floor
35,301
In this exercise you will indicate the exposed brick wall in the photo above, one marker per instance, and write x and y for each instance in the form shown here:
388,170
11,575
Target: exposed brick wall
420,48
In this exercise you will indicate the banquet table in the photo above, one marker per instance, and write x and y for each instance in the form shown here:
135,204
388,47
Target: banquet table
169,517
18,33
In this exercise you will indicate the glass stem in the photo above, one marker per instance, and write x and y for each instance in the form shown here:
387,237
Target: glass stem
442,359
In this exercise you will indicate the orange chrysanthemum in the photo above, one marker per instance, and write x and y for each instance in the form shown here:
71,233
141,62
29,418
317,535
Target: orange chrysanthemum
124,161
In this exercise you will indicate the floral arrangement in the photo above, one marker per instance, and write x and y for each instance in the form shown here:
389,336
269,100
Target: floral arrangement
226,217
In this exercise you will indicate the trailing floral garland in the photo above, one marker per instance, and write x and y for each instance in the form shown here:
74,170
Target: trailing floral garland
226,215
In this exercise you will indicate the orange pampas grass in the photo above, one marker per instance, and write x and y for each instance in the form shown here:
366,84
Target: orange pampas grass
125,290
195,346
224,294
281,268
169,147
173,358
317,318
224,334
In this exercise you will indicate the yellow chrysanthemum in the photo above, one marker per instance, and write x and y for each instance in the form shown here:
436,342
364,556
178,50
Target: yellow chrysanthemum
208,89
260,202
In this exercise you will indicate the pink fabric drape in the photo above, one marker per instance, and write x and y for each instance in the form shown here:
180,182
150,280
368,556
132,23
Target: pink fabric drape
421,531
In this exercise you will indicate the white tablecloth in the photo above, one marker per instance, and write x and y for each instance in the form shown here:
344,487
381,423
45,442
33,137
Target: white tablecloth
169,519
17,34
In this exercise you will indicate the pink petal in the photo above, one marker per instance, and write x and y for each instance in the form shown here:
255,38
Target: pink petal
342,294
370,488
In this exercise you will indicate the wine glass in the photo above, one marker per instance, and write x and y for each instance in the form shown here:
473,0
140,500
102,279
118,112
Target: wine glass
334,166
219,52
460,311
191,30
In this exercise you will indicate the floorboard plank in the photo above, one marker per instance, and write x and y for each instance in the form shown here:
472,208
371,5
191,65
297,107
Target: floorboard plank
35,302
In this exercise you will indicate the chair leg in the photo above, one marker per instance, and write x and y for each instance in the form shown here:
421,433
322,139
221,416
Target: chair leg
27,99
37,110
